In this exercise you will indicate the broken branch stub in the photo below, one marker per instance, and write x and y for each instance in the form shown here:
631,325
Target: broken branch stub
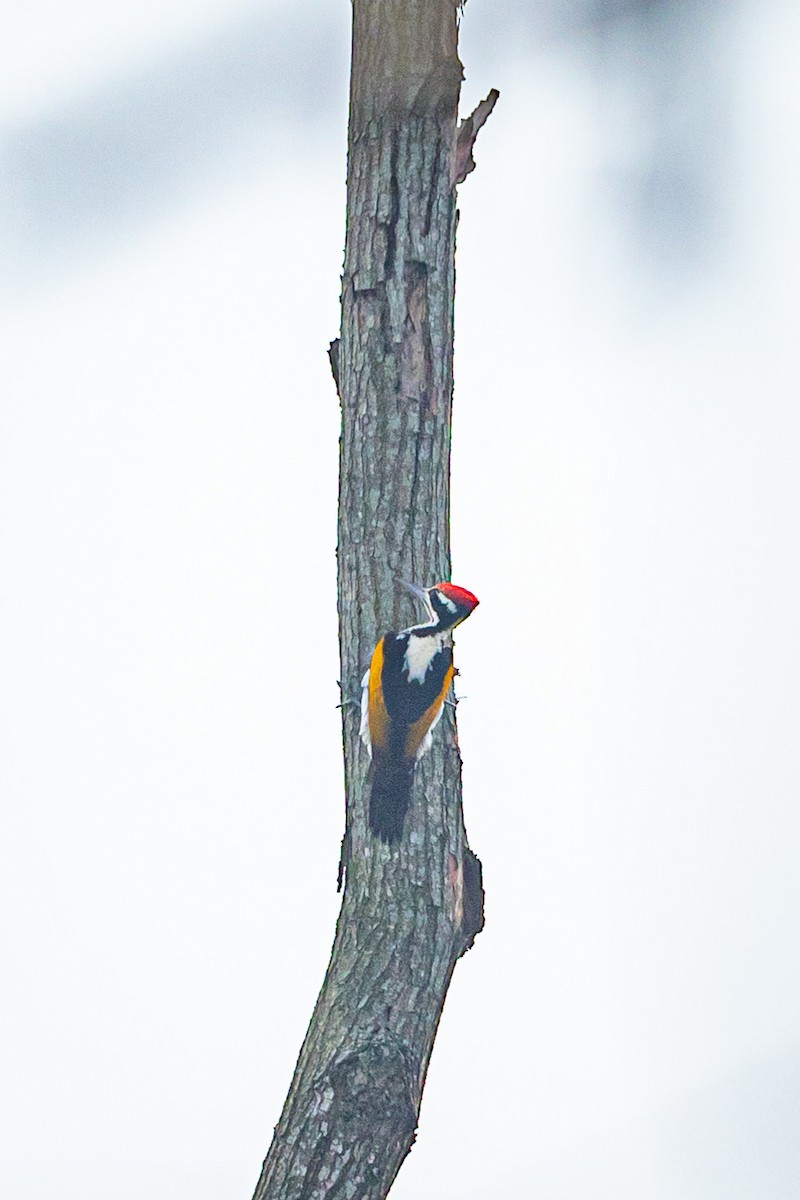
468,131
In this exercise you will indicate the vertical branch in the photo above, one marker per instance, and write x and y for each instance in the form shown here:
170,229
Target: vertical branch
408,910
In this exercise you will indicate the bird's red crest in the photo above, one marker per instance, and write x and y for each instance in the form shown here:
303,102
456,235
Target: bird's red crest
459,596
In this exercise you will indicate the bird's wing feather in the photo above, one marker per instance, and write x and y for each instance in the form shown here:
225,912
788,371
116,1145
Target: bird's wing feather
374,717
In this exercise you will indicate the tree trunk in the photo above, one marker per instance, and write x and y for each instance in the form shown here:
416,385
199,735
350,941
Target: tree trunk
408,910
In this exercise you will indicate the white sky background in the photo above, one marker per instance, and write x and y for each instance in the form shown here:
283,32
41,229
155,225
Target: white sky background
626,504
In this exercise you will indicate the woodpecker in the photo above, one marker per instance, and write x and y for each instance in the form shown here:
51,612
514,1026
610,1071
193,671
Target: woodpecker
402,700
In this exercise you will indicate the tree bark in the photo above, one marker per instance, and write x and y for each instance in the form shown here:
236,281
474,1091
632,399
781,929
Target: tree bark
409,910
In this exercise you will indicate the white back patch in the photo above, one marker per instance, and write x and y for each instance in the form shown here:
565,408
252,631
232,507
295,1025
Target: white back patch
420,653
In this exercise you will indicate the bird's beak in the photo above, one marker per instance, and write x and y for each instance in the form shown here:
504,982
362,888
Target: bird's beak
415,590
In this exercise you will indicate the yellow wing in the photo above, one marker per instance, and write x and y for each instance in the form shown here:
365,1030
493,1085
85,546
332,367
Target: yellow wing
417,731
378,716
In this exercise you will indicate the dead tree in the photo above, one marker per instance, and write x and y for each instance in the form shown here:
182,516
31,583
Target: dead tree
408,911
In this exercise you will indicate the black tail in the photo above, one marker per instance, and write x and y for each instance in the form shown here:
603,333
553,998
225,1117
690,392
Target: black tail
390,795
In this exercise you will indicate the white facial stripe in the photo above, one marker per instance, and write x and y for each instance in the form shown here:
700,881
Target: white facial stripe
448,602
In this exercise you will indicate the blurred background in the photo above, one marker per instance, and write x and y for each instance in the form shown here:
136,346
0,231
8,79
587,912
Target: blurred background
626,503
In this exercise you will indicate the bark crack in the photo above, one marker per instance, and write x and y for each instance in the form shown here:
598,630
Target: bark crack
394,208
429,207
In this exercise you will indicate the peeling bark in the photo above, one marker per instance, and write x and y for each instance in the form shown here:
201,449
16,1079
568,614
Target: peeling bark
333,359
468,131
408,911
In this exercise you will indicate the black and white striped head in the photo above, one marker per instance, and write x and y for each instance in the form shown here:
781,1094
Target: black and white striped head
447,604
